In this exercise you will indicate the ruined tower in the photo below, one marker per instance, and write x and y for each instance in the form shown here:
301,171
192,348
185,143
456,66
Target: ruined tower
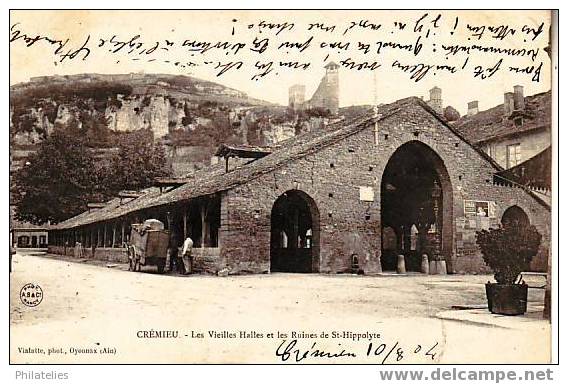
326,95
296,96
435,101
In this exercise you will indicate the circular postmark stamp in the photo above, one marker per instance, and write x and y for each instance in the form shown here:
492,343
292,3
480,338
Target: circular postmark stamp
31,294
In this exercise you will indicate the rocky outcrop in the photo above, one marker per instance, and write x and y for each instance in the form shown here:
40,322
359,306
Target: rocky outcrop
142,112
129,102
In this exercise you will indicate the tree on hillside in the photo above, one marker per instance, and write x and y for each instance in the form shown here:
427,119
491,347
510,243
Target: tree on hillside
138,162
57,181
63,176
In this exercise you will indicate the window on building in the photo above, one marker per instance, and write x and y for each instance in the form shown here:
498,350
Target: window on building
23,241
513,155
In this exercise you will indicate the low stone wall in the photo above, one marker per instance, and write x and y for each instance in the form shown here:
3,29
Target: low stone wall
470,263
206,260
60,250
117,255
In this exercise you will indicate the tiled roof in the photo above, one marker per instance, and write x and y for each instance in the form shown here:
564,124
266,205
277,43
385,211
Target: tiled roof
491,124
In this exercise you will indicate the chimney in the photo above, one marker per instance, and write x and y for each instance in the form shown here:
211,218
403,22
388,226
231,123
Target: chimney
509,104
519,98
472,108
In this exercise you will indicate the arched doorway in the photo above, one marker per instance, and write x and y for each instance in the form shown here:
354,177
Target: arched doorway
515,216
417,206
294,234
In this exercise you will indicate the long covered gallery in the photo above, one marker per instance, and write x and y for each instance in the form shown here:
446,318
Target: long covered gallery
348,198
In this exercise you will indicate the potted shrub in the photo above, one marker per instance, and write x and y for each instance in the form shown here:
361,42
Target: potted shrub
508,251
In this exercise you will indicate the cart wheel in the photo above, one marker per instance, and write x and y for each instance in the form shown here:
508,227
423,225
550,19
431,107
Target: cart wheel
161,267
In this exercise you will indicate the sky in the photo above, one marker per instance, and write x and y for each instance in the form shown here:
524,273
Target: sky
352,30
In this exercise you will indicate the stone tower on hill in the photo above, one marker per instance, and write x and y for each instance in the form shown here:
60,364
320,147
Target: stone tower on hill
327,94
296,96
435,101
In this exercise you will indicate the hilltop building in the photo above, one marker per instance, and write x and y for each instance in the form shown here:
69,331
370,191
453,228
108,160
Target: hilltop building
296,96
435,101
326,95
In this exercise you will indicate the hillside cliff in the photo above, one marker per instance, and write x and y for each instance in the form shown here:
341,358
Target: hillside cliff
190,116
162,103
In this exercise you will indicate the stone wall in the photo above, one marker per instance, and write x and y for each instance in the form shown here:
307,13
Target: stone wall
206,260
332,178
116,255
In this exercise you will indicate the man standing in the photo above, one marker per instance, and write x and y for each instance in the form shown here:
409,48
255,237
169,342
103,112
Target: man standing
186,255
173,247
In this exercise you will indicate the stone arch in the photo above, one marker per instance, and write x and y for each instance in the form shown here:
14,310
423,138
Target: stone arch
415,184
515,215
294,233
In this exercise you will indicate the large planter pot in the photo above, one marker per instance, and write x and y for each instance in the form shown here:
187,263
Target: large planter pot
506,299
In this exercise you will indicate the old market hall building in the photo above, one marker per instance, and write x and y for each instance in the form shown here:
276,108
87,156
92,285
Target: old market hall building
351,197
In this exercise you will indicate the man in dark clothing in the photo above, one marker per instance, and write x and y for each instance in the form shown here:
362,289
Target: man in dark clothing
173,247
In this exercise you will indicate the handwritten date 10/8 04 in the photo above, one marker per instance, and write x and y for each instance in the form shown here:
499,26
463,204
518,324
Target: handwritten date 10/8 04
397,352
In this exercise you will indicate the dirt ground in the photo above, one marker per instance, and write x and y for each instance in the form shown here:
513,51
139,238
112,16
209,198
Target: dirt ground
124,316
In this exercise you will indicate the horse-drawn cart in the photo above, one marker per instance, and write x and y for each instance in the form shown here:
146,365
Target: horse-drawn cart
148,245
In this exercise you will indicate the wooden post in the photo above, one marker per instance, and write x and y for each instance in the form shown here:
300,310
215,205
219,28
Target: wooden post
114,234
122,238
184,223
547,313
203,225
104,235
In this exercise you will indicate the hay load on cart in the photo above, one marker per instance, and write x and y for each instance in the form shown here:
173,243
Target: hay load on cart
148,245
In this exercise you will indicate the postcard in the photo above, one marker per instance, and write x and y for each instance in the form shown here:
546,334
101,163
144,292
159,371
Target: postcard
270,187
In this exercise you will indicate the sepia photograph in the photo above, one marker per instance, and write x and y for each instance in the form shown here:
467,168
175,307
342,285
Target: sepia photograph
282,187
